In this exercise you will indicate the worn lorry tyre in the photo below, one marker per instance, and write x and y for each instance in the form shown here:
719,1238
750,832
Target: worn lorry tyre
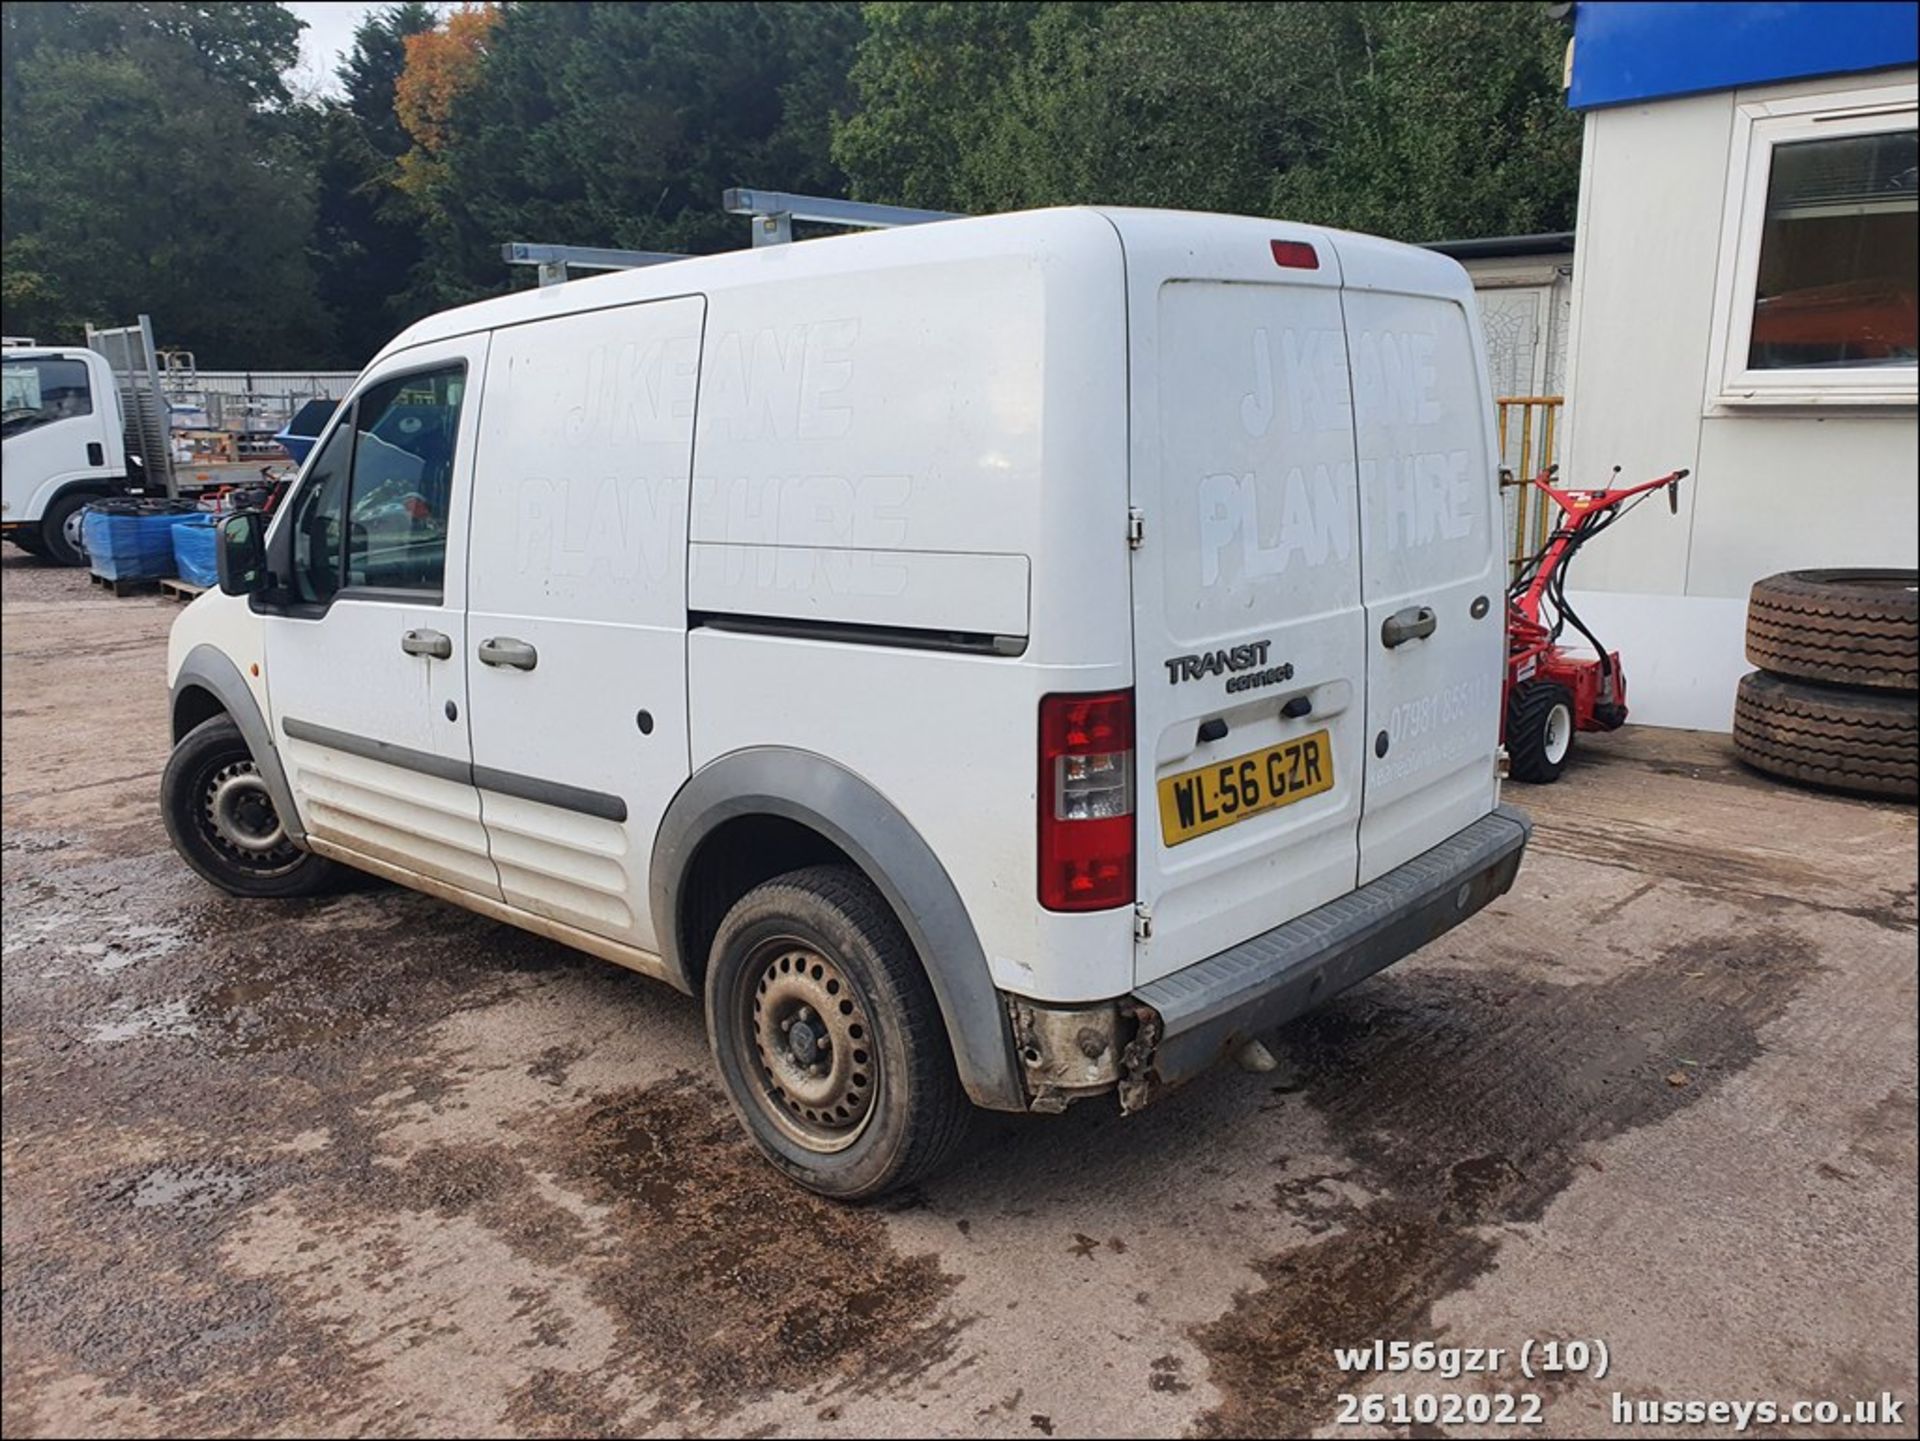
221,819
60,535
828,1036
1852,740
1540,731
1845,627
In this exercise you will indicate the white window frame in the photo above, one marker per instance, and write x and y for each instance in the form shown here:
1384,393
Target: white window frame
1758,127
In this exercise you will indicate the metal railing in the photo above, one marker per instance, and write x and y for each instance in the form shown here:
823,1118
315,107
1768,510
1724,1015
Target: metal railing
1527,426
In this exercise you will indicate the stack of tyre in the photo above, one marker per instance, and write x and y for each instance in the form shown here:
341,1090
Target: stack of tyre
1836,701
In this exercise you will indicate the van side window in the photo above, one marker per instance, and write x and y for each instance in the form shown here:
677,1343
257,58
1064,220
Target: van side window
382,482
41,391
403,480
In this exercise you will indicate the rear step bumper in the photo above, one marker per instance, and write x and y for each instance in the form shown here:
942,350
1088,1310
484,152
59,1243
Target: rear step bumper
1193,1018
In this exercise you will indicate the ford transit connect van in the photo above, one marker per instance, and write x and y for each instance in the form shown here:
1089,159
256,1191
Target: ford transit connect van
993,663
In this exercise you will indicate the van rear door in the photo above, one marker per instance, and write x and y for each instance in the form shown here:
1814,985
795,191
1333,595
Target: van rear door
1248,632
1432,573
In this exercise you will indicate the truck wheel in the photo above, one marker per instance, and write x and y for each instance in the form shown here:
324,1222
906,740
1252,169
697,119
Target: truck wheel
29,541
1846,627
221,819
828,1037
1850,740
1540,731
61,540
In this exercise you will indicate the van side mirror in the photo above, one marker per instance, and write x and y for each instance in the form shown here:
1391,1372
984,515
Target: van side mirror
242,553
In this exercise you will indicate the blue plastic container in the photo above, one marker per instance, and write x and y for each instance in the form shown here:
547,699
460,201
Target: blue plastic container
194,539
133,540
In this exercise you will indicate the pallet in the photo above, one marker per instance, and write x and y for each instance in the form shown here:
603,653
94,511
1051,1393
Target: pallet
181,590
124,588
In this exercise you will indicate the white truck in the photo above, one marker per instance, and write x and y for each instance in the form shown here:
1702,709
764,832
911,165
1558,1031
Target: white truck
992,663
62,438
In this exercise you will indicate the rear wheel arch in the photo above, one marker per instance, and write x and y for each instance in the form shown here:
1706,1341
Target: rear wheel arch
774,810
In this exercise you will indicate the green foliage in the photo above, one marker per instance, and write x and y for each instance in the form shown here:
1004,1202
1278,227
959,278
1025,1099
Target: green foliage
620,124
143,170
155,161
1415,120
367,234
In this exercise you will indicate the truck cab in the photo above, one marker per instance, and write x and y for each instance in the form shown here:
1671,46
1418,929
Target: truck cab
1007,662
63,440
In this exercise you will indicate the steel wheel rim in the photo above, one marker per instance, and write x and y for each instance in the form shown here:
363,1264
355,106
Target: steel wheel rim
237,817
814,1063
1559,734
74,528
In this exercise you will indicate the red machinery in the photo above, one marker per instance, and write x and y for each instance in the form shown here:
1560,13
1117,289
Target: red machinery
1552,693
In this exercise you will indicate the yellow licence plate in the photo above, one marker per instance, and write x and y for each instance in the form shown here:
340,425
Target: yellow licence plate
1212,797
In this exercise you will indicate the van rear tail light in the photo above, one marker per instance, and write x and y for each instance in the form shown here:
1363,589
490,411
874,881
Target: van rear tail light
1295,255
1086,801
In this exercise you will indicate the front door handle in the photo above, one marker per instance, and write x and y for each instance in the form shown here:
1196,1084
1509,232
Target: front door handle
505,650
434,644
1414,623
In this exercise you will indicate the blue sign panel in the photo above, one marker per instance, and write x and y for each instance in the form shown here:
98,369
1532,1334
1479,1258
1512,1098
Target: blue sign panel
1626,50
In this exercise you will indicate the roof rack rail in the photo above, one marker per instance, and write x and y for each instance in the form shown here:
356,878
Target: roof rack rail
774,212
556,260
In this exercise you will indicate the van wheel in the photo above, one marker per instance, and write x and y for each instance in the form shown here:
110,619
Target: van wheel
220,818
1540,731
61,537
828,1037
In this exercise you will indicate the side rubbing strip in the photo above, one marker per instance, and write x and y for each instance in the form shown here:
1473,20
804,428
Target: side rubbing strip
551,793
425,762
965,642
530,788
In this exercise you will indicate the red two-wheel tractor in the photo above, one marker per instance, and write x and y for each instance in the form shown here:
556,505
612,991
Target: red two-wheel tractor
1552,693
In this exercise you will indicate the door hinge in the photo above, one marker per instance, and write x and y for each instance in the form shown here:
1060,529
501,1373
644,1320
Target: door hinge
1136,527
1142,921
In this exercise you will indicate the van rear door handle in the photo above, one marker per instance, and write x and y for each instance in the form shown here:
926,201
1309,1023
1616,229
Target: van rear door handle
434,644
505,650
1414,623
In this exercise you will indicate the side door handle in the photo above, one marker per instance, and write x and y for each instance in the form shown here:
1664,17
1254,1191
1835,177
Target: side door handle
434,644
1414,623
505,650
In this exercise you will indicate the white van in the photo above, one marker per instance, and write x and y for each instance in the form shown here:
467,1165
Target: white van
1000,661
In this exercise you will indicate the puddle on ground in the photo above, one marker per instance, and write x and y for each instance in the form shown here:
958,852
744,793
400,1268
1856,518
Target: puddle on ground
166,1018
188,1188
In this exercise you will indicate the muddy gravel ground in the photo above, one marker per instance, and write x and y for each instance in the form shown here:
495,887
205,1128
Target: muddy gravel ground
372,1165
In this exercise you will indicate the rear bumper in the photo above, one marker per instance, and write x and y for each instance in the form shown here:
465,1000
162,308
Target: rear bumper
1192,1018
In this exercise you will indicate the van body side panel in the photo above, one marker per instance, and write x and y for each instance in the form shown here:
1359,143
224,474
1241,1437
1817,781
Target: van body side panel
936,441
579,552
1429,503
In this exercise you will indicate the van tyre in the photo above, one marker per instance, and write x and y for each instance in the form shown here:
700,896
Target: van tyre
828,1037
1850,740
221,819
60,538
1540,731
1858,627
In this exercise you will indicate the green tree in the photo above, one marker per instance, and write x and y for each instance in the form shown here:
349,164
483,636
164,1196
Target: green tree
1415,120
620,124
367,235
148,163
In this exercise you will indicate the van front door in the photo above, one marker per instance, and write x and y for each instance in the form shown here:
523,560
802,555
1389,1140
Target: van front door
1430,563
577,627
366,631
